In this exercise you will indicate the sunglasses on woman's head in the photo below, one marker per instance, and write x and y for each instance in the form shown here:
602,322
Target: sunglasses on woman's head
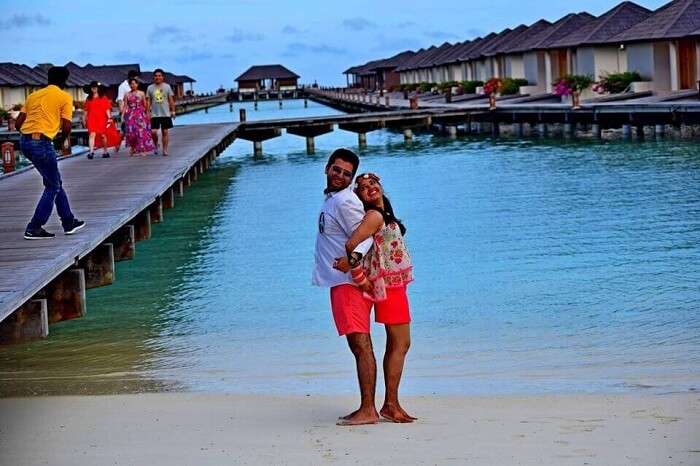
367,176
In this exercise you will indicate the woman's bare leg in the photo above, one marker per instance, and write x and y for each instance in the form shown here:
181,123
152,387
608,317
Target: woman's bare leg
398,341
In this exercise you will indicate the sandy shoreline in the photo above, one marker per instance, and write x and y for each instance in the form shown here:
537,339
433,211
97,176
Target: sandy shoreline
213,429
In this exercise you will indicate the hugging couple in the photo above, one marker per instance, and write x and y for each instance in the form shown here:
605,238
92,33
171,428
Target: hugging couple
362,257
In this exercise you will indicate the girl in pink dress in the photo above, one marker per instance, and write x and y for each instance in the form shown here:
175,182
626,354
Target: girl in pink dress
138,127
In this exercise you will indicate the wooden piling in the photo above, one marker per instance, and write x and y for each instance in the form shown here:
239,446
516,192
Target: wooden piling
29,322
169,198
257,148
310,145
65,296
362,140
99,266
180,187
123,243
595,131
156,209
659,131
452,131
407,135
626,131
142,225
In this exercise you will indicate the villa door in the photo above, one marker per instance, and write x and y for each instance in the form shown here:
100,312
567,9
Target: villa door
687,64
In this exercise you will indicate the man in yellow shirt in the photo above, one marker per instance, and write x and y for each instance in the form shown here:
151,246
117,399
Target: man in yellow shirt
44,112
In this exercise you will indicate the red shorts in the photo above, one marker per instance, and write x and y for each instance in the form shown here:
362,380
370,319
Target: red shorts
394,309
350,309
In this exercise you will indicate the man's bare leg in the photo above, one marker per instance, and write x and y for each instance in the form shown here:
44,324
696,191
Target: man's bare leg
154,135
361,347
166,140
398,340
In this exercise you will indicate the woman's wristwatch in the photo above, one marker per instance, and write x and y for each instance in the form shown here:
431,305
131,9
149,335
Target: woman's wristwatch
354,258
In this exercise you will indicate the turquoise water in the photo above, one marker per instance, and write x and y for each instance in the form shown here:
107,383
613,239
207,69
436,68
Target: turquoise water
541,266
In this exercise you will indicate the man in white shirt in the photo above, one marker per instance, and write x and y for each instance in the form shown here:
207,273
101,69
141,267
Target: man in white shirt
341,214
121,93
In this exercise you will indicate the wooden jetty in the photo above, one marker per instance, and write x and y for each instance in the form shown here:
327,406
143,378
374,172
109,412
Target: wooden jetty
43,282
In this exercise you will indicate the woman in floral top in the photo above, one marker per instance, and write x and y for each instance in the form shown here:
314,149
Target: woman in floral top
383,275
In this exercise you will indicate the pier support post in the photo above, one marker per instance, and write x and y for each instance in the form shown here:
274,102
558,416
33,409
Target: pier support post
659,131
568,130
123,243
310,145
180,187
194,171
452,132
241,115
29,322
306,102
65,296
407,135
686,131
156,209
362,140
640,132
518,129
169,198
257,148
230,107
142,225
495,129
542,129
626,131
595,131
98,266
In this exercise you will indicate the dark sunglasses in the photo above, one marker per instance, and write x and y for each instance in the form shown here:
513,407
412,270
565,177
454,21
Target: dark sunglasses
339,171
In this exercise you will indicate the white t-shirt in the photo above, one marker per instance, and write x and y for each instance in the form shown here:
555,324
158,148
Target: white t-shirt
341,214
122,90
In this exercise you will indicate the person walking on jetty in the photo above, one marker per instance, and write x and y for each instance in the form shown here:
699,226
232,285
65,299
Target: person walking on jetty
97,112
341,213
160,104
44,112
123,88
138,128
384,273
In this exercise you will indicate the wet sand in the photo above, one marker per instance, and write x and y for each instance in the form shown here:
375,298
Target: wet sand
214,429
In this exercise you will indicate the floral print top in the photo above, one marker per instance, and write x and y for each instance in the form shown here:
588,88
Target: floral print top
388,264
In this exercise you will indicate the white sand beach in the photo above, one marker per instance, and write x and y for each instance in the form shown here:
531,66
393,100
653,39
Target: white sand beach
217,429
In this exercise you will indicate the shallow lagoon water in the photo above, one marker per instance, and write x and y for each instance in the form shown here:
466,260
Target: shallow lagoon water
541,266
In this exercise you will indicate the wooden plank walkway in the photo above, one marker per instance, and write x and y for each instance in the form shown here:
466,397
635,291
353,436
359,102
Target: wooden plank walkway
106,193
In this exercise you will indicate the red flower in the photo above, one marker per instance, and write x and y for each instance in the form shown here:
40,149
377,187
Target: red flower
397,256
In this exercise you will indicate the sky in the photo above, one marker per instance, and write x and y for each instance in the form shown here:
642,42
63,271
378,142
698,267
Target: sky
213,41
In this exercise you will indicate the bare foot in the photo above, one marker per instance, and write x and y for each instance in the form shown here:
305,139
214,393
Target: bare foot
395,413
348,416
359,418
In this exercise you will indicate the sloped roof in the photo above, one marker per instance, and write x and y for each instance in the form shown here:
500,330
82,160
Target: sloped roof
535,29
475,51
499,43
15,74
170,78
411,62
109,75
428,59
606,26
255,73
394,61
676,19
453,53
561,28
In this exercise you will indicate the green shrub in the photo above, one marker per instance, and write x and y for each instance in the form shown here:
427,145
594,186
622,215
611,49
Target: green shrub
443,87
3,114
425,86
511,86
469,87
616,83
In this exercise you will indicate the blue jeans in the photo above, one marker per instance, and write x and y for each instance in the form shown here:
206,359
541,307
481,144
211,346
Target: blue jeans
42,154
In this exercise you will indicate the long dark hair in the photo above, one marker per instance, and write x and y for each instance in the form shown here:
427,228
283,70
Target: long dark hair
387,213
100,93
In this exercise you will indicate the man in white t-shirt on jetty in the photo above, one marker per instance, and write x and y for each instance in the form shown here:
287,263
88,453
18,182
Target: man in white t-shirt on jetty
160,104
341,214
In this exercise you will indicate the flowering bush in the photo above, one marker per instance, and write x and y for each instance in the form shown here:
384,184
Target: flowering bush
570,83
492,86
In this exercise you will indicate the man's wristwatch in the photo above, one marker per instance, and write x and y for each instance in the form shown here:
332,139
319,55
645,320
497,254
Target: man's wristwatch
354,258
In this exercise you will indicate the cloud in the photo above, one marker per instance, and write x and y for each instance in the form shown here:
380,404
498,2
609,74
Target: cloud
128,56
289,29
297,48
169,34
189,54
358,24
238,35
406,24
21,21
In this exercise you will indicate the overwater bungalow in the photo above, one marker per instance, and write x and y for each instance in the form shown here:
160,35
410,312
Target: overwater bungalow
665,47
259,78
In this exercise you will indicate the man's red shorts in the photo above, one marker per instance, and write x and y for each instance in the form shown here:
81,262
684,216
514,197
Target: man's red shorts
351,309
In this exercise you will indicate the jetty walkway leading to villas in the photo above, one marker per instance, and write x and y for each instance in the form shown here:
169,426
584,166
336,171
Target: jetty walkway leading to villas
638,116
42,282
